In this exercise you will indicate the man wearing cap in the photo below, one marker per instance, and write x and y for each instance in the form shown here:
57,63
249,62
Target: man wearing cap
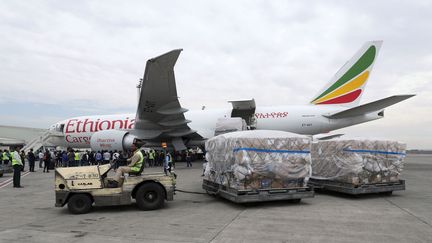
17,167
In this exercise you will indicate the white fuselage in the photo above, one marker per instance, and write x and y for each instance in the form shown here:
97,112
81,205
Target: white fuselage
302,119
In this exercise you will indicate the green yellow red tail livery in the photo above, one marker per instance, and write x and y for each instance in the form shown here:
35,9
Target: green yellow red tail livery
348,84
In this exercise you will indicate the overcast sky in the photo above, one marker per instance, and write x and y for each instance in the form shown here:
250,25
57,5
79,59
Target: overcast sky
69,58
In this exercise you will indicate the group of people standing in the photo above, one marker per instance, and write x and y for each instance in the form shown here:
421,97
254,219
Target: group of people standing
49,159
7,157
16,160
73,158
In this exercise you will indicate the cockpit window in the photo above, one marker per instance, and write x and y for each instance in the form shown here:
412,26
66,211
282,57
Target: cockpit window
60,127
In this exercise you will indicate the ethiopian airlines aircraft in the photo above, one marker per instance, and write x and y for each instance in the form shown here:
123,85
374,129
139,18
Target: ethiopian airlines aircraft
160,118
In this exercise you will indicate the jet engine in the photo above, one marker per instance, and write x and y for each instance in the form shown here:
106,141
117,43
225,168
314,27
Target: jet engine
111,140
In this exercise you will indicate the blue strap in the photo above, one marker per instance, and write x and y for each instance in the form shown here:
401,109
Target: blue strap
272,151
372,151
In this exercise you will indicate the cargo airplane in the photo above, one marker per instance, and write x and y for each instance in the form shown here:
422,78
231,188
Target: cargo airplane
161,119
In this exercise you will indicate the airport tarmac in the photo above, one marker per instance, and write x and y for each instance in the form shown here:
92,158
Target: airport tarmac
29,215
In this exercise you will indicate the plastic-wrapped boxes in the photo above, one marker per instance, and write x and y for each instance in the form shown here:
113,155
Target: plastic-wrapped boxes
259,159
357,161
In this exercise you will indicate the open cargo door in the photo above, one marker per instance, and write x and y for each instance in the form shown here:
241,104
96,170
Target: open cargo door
245,109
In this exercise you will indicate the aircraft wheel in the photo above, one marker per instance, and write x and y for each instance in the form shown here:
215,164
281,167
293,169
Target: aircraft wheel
150,196
79,203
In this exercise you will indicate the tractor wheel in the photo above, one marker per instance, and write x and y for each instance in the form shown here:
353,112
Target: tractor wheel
79,203
150,196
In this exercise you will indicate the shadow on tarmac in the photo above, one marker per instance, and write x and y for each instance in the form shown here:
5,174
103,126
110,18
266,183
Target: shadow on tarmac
355,197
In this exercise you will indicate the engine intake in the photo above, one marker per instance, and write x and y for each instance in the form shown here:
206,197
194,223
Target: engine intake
111,140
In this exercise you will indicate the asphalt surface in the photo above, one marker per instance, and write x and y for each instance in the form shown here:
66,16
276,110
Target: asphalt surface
28,215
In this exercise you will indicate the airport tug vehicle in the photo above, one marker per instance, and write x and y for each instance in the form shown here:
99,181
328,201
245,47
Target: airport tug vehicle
82,187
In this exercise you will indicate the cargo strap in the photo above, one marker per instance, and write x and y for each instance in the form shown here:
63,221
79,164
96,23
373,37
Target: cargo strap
372,151
272,151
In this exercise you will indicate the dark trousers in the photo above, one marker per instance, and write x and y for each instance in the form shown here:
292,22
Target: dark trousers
40,163
46,166
17,175
166,170
31,165
188,162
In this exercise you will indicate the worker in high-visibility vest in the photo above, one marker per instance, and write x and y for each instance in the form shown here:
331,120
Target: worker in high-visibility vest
5,157
152,158
17,167
135,164
76,158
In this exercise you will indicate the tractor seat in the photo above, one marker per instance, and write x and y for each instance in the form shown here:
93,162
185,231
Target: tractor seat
138,173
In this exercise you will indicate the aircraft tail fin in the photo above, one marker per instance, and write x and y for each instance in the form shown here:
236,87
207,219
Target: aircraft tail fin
348,84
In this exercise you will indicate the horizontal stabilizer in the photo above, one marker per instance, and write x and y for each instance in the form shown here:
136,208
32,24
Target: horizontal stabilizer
330,137
369,107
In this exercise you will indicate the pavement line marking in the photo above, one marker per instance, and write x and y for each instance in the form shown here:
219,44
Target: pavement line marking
226,225
6,181
408,212
9,181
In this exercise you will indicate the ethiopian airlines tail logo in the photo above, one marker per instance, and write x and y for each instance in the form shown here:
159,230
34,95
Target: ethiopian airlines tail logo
349,86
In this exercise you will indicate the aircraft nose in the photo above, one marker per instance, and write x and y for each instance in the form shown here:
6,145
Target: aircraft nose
52,127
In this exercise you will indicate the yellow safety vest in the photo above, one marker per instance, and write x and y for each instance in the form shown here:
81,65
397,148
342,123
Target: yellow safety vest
76,156
137,165
14,161
5,156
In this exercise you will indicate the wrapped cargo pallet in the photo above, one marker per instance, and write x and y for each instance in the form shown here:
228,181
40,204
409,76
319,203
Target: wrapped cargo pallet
232,124
357,161
258,159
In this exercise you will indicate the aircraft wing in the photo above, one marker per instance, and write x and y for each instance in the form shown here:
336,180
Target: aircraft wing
159,113
369,107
